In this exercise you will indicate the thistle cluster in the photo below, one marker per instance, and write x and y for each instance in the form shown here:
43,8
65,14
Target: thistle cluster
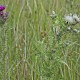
62,24
72,18
3,15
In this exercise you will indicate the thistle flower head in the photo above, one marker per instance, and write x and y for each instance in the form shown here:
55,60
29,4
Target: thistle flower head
2,8
72,18
69,19
3,15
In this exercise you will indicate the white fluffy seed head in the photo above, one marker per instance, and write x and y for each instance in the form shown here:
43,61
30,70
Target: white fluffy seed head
69,19
73,19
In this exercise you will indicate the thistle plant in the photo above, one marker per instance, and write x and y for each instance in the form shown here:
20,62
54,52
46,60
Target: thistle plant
3,15
3,18
57,25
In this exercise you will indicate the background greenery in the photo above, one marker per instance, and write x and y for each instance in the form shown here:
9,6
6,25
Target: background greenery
29,47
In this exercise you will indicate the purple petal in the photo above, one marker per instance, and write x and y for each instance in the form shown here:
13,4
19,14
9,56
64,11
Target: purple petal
2,8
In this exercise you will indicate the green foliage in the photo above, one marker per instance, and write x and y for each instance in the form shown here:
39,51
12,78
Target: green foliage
34,46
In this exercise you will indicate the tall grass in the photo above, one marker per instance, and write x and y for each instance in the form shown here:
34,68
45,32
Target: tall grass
29,46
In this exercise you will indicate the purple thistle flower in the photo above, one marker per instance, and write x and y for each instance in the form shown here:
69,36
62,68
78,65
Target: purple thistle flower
3,15
2,8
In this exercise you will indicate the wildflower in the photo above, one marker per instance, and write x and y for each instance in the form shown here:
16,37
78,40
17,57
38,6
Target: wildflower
72,18
3,15
69,19
2,8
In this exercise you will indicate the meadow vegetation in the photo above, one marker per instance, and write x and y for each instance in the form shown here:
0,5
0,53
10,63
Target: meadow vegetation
35,46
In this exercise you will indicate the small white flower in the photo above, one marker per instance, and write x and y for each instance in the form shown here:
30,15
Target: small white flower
69,19
72,19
